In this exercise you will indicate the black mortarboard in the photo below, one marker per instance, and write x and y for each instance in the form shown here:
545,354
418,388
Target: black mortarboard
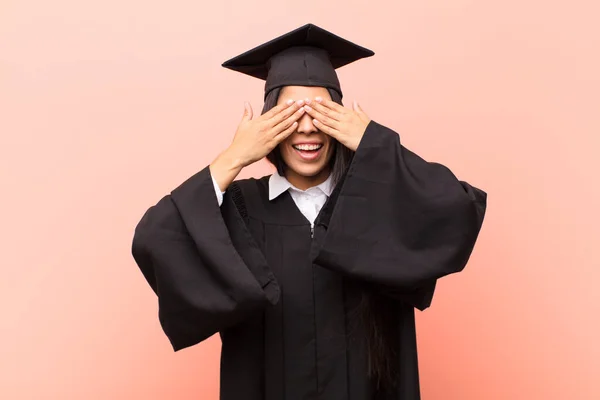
307,56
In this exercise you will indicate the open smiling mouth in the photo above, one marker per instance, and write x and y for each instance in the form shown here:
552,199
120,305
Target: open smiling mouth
308,151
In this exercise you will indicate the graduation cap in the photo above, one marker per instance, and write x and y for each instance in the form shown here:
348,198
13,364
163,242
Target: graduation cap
306,56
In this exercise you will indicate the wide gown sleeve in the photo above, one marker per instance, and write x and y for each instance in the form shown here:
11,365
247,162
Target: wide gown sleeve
399,221
202,263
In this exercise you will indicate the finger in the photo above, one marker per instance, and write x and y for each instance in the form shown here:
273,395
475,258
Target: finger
331,104
356,107
324,119
286,123
280,137
326,129
328,112
283,115
277,109
247,112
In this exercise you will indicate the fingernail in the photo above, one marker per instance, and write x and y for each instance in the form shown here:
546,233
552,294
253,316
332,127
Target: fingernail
308,108
300,102
301,109
307,101
289,102
319,99
315,121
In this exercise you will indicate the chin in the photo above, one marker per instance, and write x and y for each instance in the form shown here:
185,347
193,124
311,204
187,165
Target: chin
308,171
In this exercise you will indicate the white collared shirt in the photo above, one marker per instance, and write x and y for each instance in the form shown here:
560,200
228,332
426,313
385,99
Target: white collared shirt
309,201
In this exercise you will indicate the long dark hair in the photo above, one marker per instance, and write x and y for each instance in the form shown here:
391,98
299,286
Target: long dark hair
374,312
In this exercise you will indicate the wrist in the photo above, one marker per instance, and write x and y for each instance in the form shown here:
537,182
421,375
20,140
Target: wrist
225,168
230,161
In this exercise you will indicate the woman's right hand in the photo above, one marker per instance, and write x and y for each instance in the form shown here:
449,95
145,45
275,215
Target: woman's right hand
255,138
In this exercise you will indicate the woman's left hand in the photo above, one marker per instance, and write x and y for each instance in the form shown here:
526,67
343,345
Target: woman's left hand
343,124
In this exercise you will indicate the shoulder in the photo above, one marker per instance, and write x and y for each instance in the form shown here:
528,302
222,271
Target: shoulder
249,194
251,187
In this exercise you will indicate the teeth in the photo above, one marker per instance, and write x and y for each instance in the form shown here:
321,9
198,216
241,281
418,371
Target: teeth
308,146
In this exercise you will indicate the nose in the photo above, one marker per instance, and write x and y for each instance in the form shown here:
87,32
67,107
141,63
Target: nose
306,126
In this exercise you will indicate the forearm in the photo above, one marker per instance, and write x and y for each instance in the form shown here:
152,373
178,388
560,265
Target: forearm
224,169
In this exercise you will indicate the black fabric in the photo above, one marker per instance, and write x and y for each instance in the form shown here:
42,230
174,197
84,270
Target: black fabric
285,303
306,56
399,221
201,262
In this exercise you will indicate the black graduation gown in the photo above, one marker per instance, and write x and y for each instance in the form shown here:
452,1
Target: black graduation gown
284,298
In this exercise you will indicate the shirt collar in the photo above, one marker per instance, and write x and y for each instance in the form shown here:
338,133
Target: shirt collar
279,185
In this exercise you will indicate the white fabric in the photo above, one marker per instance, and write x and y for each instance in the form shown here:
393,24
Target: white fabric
309,201
218,192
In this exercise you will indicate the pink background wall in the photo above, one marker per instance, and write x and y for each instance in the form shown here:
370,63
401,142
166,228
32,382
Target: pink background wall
106,106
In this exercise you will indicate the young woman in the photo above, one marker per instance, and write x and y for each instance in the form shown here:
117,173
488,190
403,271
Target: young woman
310,275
